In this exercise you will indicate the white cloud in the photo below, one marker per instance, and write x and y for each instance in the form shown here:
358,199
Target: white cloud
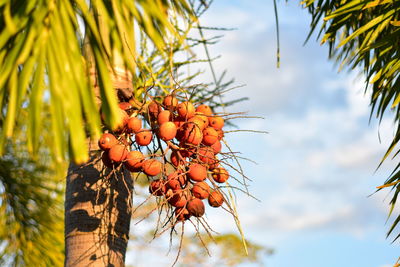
320,166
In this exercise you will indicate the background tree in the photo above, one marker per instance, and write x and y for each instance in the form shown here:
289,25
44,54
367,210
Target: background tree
31,207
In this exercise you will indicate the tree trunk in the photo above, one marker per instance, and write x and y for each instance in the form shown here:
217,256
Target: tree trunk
98,208
98,202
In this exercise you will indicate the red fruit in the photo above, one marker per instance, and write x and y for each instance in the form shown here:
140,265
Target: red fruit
107,141
196,207
220,175
187,149
213,165
192,134
124,120
144,137
124,105
167,131
118,153
134,161
182,214
174,184
216,147
157,188
201,190
220,134
154,109
210,136
152,167
206,110
216,122
198,121
186,110
164,116
170,102
177,159
177,198
106,160
215,199
197,172
134,125
176,180
202,117
206,155
179,122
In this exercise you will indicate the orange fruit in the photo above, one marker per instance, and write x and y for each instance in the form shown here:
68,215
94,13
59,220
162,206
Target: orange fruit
134,161
157,188
118,153
206,110
187,149
176,180
170,102
195,207
152,167
215,199
124,105
107,141
182,214
216,122
186,110
216,147
179,122
106,160
154,109
202,117
220,175
206,155
167,131
220,134
192,134
214,164
143,137
210,136
177,198
134,125
201,190
197,172
124,120
177,159
198,121
164,116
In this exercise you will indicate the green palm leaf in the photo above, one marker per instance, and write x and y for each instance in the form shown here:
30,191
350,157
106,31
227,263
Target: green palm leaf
41,61
362,34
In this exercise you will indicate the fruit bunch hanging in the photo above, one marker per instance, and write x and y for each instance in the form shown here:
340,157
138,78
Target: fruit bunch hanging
184,141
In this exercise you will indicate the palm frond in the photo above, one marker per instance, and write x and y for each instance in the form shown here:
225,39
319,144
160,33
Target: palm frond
41,60
364,34
31,208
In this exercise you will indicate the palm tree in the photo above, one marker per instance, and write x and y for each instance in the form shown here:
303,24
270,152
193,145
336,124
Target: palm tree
364,35
41,63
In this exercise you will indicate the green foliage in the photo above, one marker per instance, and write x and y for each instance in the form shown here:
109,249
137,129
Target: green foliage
365,35
31,209
41,61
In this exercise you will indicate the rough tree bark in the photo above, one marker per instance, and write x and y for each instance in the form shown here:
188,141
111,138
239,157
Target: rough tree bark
97,214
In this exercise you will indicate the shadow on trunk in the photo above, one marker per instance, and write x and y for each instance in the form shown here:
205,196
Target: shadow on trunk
98,208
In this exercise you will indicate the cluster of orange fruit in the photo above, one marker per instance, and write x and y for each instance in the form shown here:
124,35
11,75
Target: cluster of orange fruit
193,135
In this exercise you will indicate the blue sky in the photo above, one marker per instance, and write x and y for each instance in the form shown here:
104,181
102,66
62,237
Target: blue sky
316,167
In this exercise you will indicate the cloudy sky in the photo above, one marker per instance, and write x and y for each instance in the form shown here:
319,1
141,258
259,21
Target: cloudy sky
316,167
